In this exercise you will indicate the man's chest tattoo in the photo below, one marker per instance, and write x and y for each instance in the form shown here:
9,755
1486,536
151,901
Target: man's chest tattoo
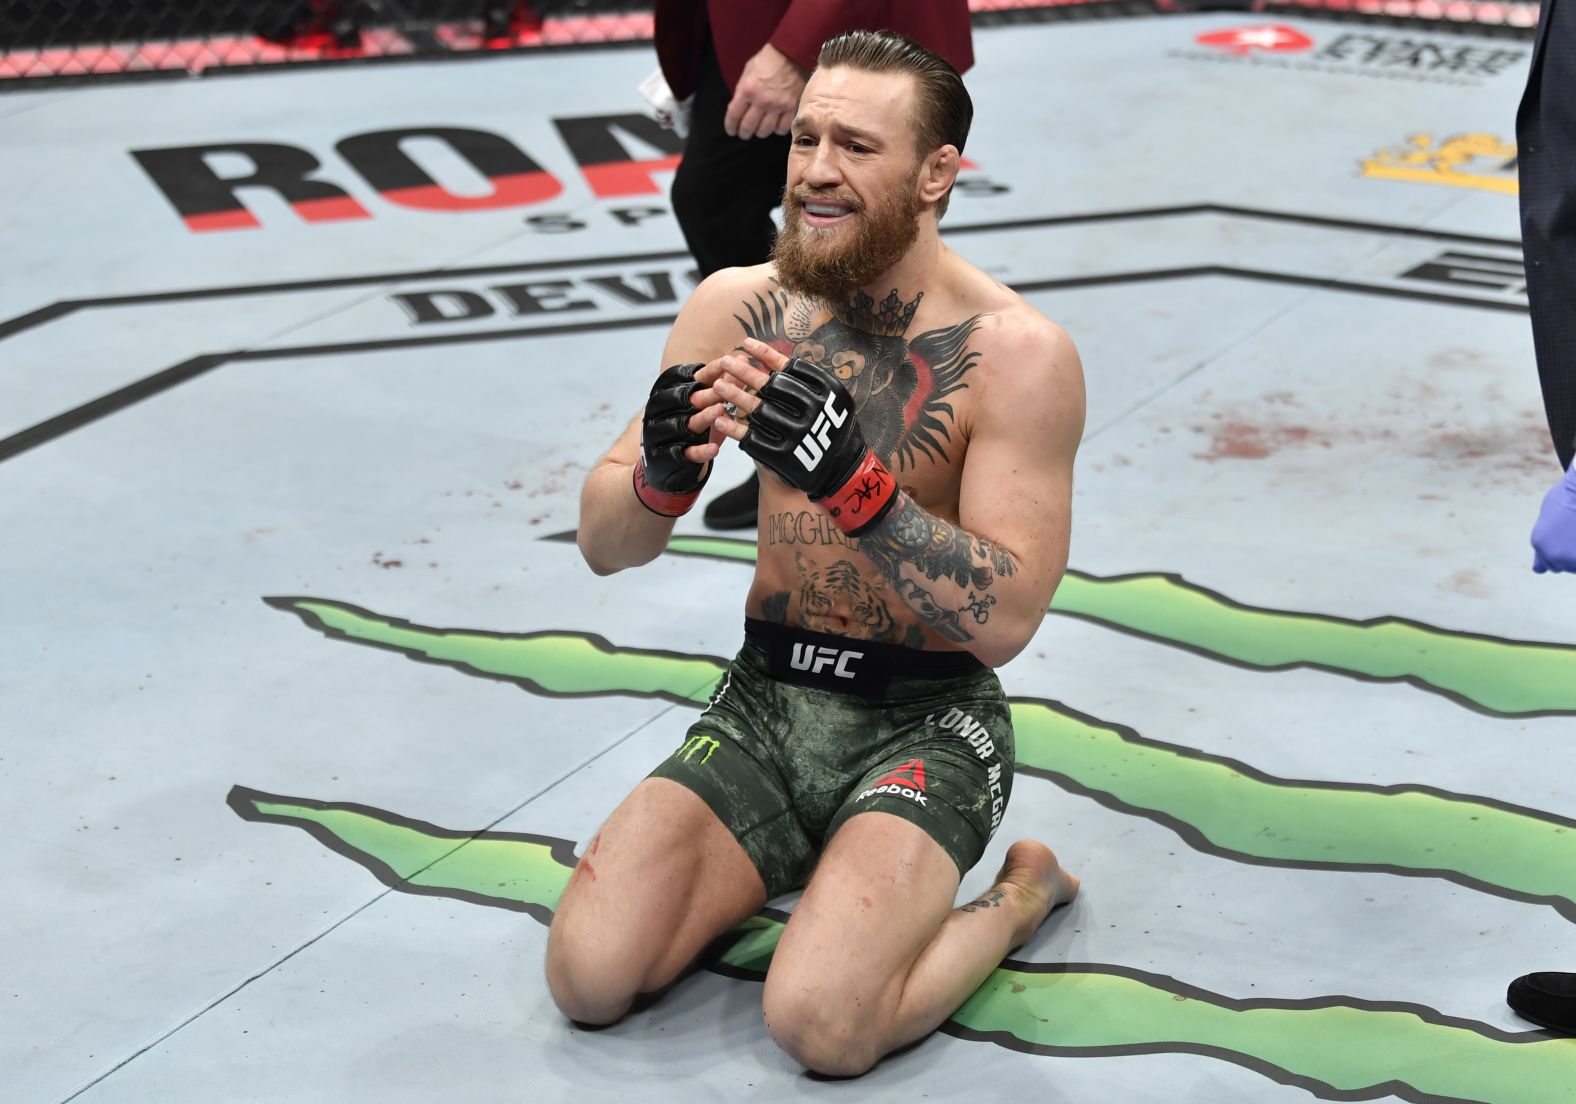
839,589
804,527
900,386
840,596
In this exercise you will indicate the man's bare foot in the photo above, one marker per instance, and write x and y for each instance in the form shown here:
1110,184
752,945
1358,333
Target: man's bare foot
1032,874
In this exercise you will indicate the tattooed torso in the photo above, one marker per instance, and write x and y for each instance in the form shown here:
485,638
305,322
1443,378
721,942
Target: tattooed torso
909,376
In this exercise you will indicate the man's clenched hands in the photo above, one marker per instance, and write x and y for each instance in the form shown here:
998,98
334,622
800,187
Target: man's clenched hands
796,419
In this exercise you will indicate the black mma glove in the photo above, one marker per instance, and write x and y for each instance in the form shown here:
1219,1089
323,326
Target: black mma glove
665,482
805,433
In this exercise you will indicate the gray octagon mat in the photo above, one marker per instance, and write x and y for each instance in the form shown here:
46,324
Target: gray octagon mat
306,710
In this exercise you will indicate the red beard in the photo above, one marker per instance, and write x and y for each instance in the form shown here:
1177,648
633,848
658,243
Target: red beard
809,263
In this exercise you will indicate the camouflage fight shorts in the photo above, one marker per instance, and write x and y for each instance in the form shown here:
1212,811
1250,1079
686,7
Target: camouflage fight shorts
807,730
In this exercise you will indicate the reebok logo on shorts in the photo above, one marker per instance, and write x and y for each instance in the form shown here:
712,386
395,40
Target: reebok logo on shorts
906,781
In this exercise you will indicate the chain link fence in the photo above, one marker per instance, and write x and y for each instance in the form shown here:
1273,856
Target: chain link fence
56,41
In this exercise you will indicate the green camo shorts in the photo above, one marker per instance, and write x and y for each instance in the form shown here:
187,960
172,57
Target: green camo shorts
806,730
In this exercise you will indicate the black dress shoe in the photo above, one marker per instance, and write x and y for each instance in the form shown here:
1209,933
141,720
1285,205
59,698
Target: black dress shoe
736,508
1548,1000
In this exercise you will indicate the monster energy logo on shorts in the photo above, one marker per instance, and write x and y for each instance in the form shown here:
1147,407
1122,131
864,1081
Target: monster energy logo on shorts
701,745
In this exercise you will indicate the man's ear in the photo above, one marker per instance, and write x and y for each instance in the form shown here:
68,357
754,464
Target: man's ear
937,173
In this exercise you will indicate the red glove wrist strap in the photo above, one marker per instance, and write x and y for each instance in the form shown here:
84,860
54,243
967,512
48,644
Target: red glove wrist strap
663,503
864,499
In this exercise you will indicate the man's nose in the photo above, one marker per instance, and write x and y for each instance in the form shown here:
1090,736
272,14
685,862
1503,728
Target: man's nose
823,168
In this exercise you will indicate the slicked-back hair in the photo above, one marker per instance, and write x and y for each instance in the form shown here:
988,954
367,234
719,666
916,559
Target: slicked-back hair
944,107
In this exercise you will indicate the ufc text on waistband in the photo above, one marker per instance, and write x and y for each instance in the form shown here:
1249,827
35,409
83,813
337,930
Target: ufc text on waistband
849,666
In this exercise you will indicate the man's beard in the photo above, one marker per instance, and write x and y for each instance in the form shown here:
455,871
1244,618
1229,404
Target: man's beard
809,263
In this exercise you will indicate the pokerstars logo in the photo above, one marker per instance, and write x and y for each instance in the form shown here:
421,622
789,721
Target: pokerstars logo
906,781
1431,58
1271,38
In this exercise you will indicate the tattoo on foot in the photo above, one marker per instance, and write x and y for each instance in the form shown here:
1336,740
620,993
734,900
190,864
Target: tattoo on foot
993,899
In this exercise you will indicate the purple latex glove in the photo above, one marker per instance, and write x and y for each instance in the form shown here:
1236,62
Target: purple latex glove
1554,535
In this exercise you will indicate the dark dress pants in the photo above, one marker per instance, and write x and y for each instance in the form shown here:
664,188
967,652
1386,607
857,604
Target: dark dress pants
725,188
1546,140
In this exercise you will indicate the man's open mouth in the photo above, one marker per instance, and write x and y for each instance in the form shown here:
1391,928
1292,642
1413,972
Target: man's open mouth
819,212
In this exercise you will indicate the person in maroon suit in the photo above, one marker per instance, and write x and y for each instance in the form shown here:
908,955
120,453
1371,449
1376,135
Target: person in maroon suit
746,64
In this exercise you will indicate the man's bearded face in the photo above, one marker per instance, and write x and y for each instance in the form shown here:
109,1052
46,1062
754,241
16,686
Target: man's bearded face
832,263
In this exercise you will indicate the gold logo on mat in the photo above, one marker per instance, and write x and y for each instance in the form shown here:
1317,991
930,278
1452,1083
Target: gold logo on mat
1479,161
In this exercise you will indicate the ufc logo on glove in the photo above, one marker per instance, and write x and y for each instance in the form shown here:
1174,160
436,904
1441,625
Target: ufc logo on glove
803,412
810,451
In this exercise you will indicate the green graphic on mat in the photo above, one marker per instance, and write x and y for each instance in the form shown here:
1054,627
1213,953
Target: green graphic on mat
1491,674
554,663
519,872
1331,1046
1218,805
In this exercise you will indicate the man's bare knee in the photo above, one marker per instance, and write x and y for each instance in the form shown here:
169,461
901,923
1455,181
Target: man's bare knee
821,1034
588,985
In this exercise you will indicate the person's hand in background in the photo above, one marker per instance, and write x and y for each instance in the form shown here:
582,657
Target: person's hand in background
1554,535
766,97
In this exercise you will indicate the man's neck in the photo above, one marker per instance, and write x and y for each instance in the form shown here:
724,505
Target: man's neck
888,316
887,304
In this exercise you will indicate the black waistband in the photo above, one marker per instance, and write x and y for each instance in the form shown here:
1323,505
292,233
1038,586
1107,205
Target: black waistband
851,666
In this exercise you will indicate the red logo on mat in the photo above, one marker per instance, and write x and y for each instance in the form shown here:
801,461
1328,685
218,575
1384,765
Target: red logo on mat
1271,38
911,774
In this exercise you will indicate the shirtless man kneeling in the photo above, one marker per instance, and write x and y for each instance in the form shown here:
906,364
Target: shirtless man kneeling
915,422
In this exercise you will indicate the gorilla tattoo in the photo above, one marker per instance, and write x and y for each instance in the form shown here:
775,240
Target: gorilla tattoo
899,387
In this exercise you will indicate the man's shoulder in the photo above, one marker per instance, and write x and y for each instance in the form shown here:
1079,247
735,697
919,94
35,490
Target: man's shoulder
714,317
1027,362
1011,327
733,285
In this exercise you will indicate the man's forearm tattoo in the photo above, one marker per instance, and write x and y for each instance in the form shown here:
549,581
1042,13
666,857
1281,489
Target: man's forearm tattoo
1000,559
980,607
937,549
944,621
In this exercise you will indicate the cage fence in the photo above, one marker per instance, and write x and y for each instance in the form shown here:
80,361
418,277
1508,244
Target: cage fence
72,41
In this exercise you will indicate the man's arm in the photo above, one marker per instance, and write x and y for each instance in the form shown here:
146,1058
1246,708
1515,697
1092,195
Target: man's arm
617,529
985,580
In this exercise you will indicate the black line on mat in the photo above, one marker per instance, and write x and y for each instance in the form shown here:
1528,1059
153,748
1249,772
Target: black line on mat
105,405
70,306
383,344
65,307
1326,282
133,393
